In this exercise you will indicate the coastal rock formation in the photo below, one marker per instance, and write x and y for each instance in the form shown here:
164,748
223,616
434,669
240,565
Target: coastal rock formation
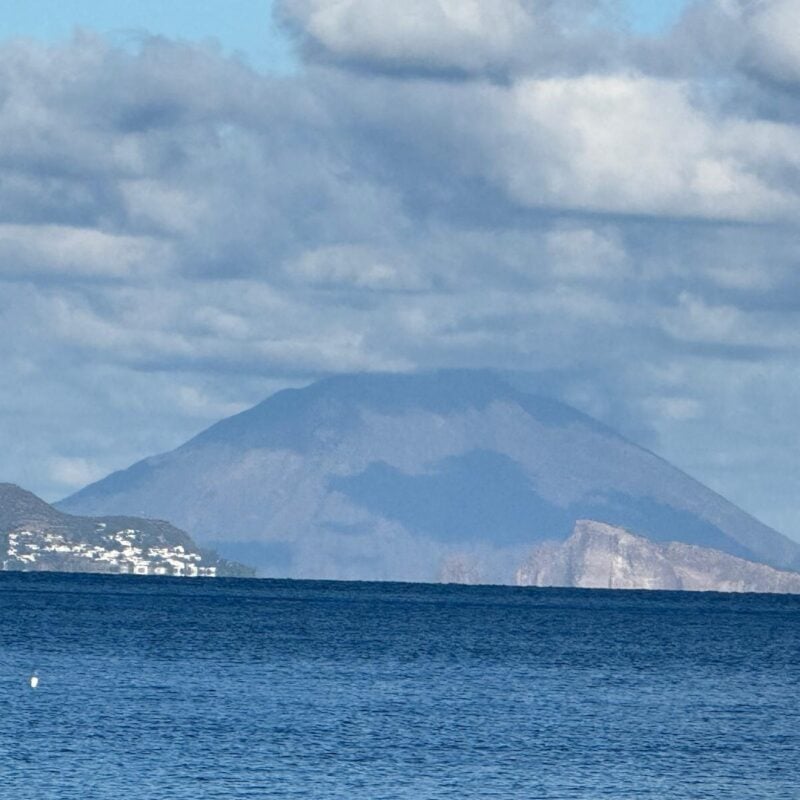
600,556
34,536
390,477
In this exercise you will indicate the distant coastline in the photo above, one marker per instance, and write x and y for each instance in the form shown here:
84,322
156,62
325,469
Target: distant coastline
35,537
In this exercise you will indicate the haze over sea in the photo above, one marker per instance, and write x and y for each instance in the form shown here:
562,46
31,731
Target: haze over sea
174,688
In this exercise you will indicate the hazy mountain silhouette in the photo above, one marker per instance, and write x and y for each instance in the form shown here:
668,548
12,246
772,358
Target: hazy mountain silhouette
386,476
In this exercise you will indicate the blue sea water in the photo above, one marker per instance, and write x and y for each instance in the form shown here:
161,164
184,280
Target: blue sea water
181,688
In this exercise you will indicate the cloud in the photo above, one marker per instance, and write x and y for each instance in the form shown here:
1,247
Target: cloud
357,267
773,43
76,253
463,34
694,319
450,37
633,144
766,34
518,184
75,472
754,39
585,253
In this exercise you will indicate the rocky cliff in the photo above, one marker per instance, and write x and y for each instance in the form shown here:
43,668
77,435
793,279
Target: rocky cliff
600,556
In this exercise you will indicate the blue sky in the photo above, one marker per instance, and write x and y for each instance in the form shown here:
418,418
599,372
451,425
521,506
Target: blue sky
242,26
654,15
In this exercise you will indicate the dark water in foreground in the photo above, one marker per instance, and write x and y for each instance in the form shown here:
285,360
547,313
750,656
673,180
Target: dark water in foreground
174,688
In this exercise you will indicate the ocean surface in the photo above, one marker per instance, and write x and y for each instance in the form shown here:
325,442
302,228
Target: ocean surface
201,688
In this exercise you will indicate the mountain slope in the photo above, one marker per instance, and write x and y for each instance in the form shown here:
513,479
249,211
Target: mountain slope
393,476
36,536
599,556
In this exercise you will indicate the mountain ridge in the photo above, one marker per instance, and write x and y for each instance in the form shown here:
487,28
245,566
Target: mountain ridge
384,476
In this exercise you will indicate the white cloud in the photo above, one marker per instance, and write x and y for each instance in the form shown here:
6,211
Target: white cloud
80,252
355,266
586,253
458,37
472,35
694,319
772,29
638,145
165,208
73,473
196,402
758,37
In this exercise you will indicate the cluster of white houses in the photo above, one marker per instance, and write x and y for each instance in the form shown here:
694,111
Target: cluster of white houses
117,552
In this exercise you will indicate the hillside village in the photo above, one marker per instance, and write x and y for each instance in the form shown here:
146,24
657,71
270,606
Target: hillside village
36,537
115,552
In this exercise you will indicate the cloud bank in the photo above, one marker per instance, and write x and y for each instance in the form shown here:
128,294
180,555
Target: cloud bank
527,185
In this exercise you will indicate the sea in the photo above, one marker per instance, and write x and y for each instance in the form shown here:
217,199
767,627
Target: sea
176,688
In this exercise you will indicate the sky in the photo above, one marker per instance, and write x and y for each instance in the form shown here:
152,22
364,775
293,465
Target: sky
242,27
203,205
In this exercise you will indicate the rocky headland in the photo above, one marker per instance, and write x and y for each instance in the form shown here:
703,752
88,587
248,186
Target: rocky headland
600,556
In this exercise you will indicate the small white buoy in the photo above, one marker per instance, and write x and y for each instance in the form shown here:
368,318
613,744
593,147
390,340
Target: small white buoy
34,681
